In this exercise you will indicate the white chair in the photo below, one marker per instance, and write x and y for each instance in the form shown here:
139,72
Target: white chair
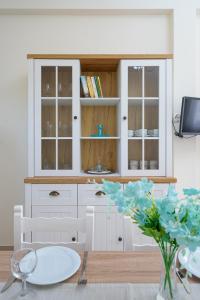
134,239
24,225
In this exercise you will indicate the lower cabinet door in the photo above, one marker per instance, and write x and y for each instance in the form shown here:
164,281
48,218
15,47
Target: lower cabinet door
108,228
50,212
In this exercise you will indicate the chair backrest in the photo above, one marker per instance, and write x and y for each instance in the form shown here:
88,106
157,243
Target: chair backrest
134,239
24,225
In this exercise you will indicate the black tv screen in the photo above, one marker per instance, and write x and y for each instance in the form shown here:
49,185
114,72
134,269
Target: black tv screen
190,116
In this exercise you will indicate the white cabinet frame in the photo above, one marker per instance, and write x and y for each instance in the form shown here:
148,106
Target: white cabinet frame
75,64
164,118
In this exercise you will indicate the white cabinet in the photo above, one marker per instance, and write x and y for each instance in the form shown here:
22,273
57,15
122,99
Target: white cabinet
134,116
127,132
108,222
71,200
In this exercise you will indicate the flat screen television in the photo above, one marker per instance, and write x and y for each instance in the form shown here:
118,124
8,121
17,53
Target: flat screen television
190,116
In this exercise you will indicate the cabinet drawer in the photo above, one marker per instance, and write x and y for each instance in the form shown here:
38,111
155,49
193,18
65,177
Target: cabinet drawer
91,194
54,194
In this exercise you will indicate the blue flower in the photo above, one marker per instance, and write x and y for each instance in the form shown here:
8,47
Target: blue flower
170,219
191,192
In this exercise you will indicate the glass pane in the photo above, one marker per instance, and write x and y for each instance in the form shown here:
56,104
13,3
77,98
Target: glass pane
151,117
151,79
151,154
64,81
64,154
134,118
48,154
134,154
135,82
48,123
64,118
48,84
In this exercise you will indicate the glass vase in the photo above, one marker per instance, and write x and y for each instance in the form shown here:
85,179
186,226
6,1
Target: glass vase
168,282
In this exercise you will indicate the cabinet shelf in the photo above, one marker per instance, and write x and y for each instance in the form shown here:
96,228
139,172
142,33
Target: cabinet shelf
145,98
100,138
56,138
144,138
99,101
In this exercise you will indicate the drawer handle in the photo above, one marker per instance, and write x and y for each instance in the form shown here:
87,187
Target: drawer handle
54,193
119,238
100,193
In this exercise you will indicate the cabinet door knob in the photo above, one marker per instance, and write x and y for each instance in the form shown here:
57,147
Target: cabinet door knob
73,239
119,238
75,117
124,118
100,193
54,193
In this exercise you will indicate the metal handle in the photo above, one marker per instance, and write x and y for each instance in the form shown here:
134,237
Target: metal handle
73,239
54,193
119,238
124,118
100,193
75,117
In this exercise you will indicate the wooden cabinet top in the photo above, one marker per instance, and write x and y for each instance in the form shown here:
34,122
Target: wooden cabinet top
89,179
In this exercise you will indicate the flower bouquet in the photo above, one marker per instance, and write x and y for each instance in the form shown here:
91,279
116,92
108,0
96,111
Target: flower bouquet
173,222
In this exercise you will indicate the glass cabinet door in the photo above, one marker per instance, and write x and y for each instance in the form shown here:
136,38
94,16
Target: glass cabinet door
56,104
143,112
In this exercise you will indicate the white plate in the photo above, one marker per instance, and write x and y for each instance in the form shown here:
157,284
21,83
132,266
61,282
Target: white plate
55,264
193,265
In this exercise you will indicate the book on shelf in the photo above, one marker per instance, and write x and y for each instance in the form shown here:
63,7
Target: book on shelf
100,88
94,87
91,86
84,86
97,86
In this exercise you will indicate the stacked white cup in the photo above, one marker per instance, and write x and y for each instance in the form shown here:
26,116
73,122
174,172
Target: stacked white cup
133,164
153,164
146,163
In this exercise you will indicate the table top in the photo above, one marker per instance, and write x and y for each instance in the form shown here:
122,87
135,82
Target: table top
110,267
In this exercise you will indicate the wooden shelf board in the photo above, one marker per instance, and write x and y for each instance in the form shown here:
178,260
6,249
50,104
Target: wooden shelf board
98,179
110,58
99,101
100,62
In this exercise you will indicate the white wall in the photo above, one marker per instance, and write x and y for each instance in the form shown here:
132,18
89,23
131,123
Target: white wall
22,34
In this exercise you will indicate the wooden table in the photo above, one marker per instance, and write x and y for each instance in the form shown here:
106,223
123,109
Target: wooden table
109,267
111,275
